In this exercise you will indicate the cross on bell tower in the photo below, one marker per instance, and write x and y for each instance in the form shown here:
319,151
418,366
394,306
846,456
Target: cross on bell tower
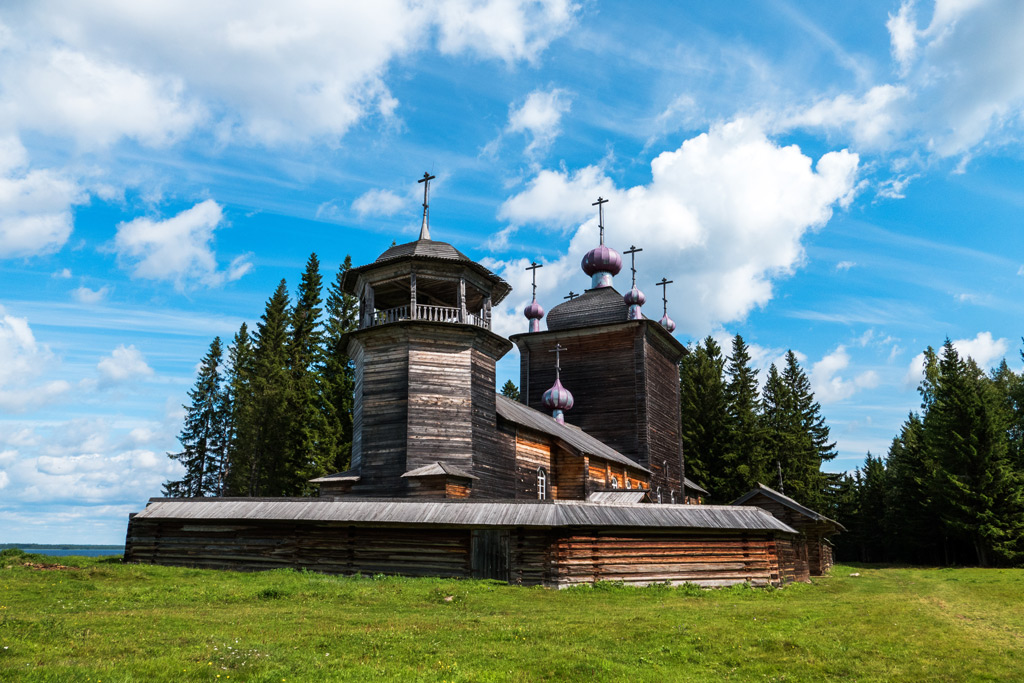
632,260
425,226
601,201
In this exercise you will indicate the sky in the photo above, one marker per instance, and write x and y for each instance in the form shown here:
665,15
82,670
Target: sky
845,180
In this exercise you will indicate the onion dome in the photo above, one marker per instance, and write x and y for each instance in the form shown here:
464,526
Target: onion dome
534,312
556,399
602,259
667,323
634,297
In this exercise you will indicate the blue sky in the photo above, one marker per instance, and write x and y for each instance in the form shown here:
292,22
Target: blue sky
842,179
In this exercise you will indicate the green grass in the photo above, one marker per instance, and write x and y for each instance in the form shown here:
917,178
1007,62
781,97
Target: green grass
109,622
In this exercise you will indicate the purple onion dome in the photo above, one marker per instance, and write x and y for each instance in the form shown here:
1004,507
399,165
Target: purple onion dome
533,311
602,260
557,397
667,323
634,297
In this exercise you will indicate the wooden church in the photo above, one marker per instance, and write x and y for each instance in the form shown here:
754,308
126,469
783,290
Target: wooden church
581,480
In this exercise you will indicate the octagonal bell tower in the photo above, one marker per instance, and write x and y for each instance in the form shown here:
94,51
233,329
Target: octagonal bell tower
425,360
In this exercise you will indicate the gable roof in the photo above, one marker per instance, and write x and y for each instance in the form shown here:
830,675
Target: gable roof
437,469
524,415
694,487
785,500
347,475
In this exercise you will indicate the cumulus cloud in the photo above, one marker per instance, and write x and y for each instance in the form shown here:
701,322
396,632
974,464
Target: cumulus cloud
177,249
829,386
259,71
84,295
958,84
539,117
122,365
35,205
378,203
985,351
723,216
24,361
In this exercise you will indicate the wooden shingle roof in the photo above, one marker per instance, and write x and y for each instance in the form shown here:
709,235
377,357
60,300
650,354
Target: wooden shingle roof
593,307
782,499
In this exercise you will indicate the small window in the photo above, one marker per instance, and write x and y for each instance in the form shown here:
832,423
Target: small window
542,484
673,497
629,483
615,483
659,494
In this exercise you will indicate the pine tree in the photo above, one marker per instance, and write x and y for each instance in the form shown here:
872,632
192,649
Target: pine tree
239,401
908,523
704,417
811,444
338,372
203,432
744,459
510,390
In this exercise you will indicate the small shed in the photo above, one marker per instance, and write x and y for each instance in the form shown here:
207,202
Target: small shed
814,554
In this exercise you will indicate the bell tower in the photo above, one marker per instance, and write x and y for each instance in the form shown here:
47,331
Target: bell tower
425,370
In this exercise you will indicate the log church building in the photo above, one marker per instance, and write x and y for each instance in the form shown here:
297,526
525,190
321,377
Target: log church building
582,479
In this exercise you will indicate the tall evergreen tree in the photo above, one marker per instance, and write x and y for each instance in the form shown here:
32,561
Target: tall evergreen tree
338,372
908,523
510,390
704,417
308,454
262,427
203,433
744,463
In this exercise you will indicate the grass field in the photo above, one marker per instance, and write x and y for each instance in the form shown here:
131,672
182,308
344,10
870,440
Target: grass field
100,621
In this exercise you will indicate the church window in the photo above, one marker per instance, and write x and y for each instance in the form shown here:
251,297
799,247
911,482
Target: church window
542,484
615,483
673,497
659,494
629,483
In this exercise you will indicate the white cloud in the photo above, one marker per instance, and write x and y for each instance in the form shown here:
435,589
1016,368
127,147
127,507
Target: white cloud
1020,271
259,71
84,295
829,386
122,365
377,203
178,248
64,274
985,351
35,205
723,216
845,265
24,360
539,116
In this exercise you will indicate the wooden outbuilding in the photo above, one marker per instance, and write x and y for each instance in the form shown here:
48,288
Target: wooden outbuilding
814,556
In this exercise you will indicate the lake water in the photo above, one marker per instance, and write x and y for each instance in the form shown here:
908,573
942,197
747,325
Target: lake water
87,552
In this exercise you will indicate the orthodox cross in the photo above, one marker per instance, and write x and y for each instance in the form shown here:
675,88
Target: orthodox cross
601,201
534,266
572,295
558,362
664,290
425,227
632,260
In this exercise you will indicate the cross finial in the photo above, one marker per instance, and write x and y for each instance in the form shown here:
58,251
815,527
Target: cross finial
664,292
632,260
534,266
572,295
601,201
558,359
425,226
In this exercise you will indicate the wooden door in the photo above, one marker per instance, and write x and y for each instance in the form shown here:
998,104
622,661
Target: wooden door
490,554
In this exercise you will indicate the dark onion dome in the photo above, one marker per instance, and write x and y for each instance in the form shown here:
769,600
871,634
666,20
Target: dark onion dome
557,397
533,311
634,297
667,323
602,259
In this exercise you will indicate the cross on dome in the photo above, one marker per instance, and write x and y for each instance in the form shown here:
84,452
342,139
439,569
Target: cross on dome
425,226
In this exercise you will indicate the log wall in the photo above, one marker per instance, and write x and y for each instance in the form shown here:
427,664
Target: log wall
557,557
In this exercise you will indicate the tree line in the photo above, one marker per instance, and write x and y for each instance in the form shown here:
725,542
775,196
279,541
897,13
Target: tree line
277,411
951,488
736,435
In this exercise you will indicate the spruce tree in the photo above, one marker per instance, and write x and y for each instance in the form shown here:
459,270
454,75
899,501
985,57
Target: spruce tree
203,433
744,459
262,429
704,417
908,523
338,371
239,401
510,390
811,444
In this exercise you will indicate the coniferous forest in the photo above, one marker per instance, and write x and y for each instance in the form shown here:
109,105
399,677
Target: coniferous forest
274,409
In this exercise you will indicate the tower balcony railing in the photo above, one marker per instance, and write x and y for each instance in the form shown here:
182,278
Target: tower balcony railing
437,314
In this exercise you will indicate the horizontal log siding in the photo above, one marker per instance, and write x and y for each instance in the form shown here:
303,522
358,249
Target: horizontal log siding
530,456
661,414
381,405
440,404
491,461
553,557
641,557
812,534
